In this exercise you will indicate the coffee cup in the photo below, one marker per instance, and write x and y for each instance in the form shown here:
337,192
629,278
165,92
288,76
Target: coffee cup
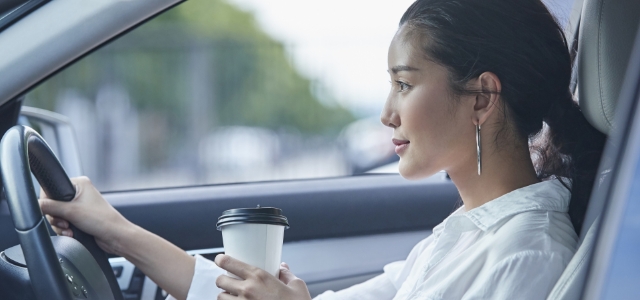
254,236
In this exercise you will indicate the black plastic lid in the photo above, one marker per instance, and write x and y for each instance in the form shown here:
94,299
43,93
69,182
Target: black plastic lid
258,215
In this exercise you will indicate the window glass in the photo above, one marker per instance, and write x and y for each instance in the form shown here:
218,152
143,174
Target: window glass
217,91
204,94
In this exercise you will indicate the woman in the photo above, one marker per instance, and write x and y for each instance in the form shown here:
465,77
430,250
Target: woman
472,83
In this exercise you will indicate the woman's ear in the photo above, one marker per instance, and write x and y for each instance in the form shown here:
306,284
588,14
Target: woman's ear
488,98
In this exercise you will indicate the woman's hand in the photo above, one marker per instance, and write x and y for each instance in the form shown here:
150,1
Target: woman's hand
167,265
89,212
257,284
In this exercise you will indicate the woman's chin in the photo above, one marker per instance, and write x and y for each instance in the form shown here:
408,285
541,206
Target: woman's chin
411,172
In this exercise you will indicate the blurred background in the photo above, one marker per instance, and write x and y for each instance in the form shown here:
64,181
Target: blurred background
216,91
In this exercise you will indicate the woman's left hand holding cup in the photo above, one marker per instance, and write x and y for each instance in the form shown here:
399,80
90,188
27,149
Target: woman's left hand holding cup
257,284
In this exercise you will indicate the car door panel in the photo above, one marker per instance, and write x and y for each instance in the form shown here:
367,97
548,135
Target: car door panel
316,209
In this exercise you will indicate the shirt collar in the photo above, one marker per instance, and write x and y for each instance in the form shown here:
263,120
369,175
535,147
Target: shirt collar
550,195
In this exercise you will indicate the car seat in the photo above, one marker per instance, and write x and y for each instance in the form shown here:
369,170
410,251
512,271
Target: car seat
606,36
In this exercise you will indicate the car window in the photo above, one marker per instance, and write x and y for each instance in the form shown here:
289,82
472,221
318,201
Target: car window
217,91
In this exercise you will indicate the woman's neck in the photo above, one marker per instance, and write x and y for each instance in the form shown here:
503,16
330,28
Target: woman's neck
502,172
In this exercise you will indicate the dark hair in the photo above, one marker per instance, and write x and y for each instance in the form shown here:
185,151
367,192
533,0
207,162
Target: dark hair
522,43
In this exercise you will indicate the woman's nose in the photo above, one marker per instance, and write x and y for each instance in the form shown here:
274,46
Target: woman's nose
389,117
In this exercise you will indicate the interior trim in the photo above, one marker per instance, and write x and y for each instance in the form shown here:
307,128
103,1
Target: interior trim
316,209
67,30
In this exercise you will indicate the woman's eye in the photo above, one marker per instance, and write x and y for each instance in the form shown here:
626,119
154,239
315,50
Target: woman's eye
402,86
399,85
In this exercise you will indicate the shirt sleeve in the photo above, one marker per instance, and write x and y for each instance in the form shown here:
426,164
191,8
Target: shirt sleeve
203,285
525,275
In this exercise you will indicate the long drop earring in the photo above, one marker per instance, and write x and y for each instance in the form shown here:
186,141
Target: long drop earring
479,148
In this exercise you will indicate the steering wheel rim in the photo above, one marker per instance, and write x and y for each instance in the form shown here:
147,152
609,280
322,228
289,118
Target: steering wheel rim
23,151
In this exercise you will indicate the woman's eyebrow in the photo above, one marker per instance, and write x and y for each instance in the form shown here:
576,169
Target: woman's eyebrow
401,68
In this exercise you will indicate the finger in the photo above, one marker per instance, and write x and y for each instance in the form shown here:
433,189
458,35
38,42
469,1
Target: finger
80,180
234,266
300,287
55,208
284,265
58,225
57,230
58,222
42,194
49,219
60,231
286,276
80,184
226,296
231,285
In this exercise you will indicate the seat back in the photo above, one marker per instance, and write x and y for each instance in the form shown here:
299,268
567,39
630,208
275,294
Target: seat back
569,286
606,35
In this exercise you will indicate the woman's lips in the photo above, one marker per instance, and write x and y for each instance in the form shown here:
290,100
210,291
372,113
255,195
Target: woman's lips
401,145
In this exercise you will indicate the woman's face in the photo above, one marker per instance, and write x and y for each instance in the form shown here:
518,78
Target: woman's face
433,131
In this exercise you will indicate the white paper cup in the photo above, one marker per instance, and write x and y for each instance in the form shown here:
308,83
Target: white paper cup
254,236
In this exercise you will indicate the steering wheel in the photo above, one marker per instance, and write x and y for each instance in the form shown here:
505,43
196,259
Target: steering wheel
23,151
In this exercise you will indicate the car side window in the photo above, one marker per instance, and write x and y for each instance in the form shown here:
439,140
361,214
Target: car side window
216,91
201,95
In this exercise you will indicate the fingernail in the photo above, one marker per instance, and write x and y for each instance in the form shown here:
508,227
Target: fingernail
66,232
60,224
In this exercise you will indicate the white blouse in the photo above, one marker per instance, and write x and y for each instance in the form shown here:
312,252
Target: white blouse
513,247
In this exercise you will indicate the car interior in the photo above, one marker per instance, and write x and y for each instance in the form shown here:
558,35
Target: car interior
343,230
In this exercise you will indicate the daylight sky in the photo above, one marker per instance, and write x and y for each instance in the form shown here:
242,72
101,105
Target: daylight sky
342,44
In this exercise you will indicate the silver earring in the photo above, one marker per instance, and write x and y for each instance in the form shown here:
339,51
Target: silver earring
478,148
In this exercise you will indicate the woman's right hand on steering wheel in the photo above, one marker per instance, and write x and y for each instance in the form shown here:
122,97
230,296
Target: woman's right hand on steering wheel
89,212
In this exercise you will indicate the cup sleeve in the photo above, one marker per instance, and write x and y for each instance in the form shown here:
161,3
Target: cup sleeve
203,285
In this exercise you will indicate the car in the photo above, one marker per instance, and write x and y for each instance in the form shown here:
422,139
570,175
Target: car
343,228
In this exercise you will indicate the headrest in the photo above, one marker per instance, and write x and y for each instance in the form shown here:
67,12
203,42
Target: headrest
607,32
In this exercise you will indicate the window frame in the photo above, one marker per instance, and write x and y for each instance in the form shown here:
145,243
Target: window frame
20,12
